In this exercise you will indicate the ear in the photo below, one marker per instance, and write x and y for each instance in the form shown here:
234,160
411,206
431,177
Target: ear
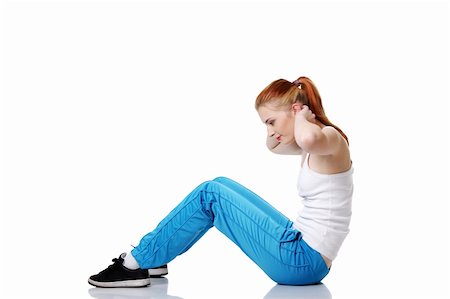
296,107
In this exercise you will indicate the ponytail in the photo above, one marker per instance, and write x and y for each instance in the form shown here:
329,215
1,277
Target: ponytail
314,102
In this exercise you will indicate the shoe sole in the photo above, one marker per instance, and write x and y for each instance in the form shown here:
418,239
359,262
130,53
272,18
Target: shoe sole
135,283
158,272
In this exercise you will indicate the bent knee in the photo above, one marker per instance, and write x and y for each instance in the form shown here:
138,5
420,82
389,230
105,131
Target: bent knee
221,179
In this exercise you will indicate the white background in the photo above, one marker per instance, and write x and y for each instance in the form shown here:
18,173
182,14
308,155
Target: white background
112,111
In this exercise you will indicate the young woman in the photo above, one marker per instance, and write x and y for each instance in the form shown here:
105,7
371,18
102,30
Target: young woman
293,253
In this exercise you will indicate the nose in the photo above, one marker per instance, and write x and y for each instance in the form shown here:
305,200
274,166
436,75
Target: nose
270,132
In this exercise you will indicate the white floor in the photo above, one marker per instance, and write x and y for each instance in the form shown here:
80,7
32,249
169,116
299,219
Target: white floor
159,289
214,268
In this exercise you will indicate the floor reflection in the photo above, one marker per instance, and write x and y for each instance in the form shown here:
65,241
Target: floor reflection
317,291
157,290
159,286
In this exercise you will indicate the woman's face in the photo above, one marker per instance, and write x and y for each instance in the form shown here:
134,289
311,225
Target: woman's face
279,121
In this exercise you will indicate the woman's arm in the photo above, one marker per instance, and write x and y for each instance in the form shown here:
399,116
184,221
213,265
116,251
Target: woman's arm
282,149
311,137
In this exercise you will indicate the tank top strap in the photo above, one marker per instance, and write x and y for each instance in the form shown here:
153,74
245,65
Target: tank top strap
305,163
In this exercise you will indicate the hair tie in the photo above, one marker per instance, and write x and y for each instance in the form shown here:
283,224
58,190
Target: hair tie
297,83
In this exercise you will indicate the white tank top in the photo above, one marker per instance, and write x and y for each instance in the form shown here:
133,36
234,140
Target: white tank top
327,208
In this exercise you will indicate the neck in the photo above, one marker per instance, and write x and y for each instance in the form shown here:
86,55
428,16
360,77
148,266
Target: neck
321,125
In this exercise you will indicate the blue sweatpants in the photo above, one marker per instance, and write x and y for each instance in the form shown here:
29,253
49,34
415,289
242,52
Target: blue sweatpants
265,235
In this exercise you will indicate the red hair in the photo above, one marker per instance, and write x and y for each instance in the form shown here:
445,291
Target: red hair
282,93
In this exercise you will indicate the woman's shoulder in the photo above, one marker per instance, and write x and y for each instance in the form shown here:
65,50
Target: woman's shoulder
338,161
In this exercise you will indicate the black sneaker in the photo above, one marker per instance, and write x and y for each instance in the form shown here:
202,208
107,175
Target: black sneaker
118,276
158,272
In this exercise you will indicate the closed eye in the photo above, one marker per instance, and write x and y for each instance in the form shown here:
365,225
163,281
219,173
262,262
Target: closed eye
270,122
